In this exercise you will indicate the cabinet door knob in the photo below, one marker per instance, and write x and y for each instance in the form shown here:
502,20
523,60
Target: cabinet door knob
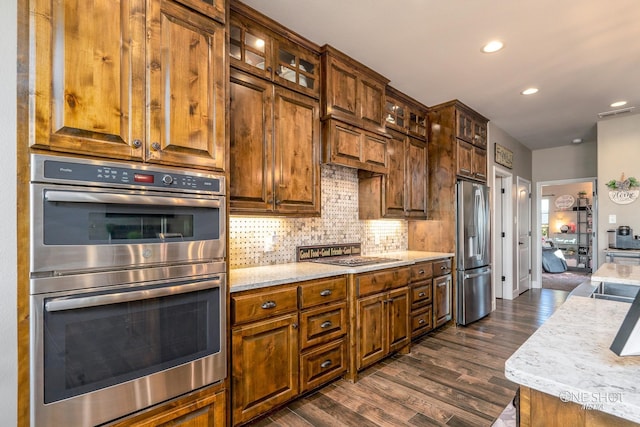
326,364
137,143
155,146
268,304
325,293
326,324
294,326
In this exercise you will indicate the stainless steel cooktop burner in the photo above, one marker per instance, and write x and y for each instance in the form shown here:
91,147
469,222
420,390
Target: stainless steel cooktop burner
353,261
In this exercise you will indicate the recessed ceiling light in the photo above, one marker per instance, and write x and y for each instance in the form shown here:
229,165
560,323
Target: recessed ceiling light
492,46
618,104
577,140
530,91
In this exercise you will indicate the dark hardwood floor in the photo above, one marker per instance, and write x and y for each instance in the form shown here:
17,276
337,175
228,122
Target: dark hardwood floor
453,376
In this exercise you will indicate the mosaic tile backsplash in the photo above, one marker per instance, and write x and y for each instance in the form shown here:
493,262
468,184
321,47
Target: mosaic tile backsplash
258,241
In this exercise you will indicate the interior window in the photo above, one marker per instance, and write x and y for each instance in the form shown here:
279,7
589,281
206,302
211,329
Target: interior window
544,217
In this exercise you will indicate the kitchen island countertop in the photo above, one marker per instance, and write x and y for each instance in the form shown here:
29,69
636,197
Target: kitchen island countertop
569,357
242,279
617,273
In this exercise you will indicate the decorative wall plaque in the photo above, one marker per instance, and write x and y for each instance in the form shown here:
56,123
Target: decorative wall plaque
624,191
504,156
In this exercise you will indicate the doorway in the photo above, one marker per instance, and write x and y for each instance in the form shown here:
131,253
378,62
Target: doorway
566,241
502,226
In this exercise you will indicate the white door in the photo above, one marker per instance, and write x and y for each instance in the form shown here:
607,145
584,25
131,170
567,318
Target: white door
524,236
499,236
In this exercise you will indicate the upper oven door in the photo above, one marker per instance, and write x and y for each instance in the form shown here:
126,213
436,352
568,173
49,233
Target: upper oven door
80,228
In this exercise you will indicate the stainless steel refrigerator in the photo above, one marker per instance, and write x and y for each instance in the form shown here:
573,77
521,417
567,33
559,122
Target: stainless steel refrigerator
473,254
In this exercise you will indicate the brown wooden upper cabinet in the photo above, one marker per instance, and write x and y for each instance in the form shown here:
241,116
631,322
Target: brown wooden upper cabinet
353,115
129,80
405,114
471,127
274,149
262,47
402,192
353,92
274,118
458,138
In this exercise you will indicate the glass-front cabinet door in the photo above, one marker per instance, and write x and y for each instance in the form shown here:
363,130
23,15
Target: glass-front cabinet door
296,68
249,48
395,113
418,123
262,52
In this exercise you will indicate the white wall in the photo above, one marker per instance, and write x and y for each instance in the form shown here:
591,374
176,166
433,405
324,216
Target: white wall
8,253
566,162
618,152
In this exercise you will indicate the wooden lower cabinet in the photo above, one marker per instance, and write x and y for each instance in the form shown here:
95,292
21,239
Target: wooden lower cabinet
382,326
322,364
276,356
421,293
442,300
382,317
538,409
203,408
265,366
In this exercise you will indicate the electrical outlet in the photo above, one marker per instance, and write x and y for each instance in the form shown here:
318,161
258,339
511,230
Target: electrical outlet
612,219
269,243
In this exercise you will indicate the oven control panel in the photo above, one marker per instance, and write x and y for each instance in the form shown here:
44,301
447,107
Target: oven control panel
104,173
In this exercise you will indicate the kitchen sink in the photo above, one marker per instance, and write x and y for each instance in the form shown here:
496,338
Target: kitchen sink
616,291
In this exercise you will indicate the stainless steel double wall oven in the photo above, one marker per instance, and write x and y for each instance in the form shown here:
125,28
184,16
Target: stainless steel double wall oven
128,287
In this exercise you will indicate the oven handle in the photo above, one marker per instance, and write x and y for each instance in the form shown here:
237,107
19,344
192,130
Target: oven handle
96,300
128,199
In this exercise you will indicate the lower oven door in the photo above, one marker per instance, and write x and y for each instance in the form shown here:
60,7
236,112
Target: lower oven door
100,355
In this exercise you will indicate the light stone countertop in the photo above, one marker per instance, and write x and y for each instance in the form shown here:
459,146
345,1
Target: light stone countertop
617,273
242,279
569,357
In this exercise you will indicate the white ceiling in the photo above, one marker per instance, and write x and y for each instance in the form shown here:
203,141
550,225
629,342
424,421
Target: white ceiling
582,55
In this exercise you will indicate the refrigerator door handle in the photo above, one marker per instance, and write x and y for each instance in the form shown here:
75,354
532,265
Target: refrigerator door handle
473,276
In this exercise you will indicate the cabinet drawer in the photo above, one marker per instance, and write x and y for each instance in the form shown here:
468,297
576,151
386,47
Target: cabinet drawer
323,324
378,281
320,292
260,305
423,270
421,294
442,267
323,364
421,321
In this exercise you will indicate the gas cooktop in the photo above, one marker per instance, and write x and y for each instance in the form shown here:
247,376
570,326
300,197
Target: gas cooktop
353,261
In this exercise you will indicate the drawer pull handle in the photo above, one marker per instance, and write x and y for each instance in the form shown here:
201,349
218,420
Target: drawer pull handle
421,271
442,284
421,322
325,364
443,267
421,294
326,324
268,304
325,293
